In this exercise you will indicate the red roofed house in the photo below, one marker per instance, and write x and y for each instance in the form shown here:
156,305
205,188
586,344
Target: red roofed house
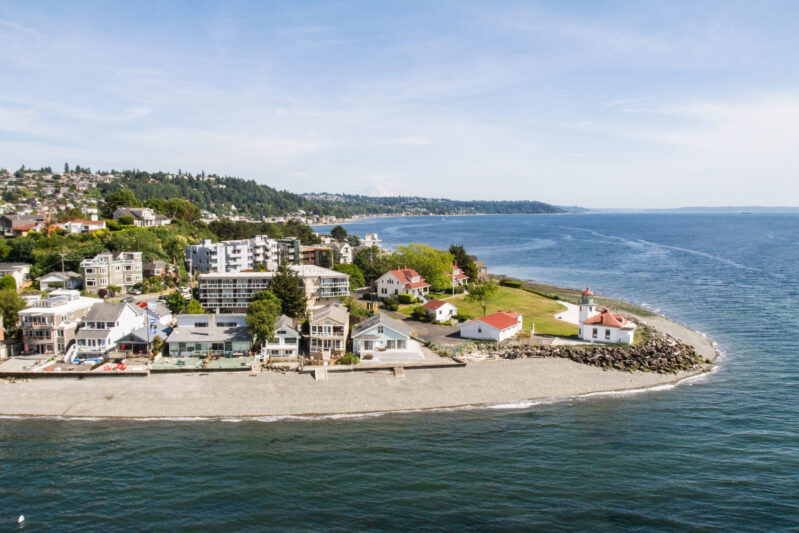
457,277
402,281
440,311
497,327
605,326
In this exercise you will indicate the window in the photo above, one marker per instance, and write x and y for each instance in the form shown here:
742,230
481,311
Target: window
479,329
380,329
595,333
201,324
607,334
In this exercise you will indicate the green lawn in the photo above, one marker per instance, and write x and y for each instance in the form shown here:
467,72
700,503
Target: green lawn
534,308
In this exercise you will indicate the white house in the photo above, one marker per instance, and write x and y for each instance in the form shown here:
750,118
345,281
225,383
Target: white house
79,225
18,271
203,335
382,338
605,326
402,281
440,311
105,325
286,339
497,327
65,280
143,217
457,277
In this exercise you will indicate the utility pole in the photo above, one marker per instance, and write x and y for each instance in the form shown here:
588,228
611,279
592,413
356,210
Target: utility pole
62,263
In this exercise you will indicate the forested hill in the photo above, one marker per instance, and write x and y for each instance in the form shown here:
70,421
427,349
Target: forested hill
348,205
220,194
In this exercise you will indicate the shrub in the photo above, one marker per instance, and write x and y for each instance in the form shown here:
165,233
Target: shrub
460,289
419,313
462,317
511,283
406,299
391,304
126,220
348,359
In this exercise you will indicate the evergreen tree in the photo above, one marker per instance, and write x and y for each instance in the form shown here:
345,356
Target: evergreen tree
290,290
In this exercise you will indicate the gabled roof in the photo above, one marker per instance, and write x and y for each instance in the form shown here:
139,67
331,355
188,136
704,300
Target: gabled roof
335,312
62,276
384,320
432,305
500,320
108,312
285,322
608,319
405,275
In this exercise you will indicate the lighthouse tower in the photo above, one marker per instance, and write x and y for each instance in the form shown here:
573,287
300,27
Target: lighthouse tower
587,307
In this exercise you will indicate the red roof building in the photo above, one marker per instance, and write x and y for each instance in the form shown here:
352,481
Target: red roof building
497,327
402,281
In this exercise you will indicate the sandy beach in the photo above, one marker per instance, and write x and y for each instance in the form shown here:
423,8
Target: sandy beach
291,394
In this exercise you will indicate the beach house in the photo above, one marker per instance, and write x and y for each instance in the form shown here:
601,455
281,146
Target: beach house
382,338
496,327
105,324
60,280
329,326
49,325
215,335
286,340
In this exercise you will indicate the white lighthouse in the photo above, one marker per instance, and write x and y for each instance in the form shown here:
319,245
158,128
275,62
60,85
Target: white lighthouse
587,307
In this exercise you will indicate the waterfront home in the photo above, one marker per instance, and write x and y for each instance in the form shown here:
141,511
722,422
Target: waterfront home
232,292
204,335
495,327
285,341
329,326
140,341
380,338
123,269
48,326
402,281
604,326
143,217
105,324
60,280
19,271
440,311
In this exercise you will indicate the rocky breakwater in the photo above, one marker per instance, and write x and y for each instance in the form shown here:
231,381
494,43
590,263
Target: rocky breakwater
659,353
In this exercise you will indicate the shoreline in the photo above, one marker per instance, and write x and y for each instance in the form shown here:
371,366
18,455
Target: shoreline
275,396
278,396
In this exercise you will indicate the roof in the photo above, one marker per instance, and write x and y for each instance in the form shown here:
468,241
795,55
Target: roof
416,285
500,320
285,322
383,319
108,312
608,319
93,333
432,305
587,292
61,275
335,312
25,227
143,334
209,334
404,275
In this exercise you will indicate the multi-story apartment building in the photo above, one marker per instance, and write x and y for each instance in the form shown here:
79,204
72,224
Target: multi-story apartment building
317,255
123,269
49,325
329,326
233,256
289,248
232,292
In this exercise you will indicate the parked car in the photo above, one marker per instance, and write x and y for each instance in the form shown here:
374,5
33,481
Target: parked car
127,300
134,291
162,298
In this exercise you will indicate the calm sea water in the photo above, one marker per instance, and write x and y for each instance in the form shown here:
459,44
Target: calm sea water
721,453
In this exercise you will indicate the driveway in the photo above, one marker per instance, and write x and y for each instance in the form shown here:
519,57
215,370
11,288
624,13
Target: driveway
432,332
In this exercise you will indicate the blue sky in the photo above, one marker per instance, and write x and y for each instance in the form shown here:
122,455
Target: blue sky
600,104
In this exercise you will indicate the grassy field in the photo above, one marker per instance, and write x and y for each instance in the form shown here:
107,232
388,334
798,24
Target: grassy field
533,307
